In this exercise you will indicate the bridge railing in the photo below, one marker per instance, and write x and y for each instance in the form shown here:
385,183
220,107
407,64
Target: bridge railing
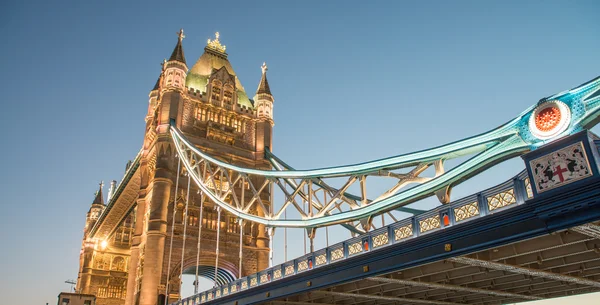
495,199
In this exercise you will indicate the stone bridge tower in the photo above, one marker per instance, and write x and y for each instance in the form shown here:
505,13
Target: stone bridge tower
210,106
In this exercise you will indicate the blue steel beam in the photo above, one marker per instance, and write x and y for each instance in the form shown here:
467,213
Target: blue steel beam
573,206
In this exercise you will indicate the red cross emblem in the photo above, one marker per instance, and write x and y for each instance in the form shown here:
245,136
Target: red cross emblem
559,171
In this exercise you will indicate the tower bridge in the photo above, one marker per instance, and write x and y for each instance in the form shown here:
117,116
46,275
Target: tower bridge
199,199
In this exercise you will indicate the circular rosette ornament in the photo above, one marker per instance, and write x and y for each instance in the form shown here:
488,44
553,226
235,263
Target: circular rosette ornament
549,119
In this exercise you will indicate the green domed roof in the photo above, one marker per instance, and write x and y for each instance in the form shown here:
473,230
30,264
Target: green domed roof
198,75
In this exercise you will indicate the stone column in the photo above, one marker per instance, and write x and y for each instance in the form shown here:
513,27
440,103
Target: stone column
135,250
86,269
155,238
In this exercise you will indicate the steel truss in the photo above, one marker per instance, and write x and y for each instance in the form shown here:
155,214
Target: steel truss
225,184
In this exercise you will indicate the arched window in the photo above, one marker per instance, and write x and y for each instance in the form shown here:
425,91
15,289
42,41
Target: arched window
118,264
228,94
216,91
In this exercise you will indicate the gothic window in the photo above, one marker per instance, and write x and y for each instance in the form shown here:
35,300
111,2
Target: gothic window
228,94
210,220
177,78
202,114
118,264
216,91
100,262
232,225
193,220
169,78
111,292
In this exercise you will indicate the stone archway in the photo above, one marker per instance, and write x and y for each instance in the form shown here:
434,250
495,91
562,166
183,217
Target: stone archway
226,272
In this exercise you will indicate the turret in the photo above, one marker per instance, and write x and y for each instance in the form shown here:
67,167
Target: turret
175,68
111,190
263,101
95,210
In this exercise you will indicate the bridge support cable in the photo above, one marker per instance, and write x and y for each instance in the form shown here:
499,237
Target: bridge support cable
217,248
525,271
453,288
241,247
271,233
172,231
185,218
199,239
383,298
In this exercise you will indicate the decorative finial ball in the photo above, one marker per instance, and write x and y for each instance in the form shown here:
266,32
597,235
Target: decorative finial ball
217,35
264,67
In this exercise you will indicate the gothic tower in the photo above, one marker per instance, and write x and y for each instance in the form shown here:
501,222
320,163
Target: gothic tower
210,106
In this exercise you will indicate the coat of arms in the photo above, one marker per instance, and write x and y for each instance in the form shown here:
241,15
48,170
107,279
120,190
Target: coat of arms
560,167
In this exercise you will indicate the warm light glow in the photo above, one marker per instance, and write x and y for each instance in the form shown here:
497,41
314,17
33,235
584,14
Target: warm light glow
103,244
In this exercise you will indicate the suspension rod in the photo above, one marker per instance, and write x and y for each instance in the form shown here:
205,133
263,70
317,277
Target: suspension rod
172,230
185,217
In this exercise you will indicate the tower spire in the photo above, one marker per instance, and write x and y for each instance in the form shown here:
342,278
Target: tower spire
263,86
99,199
177,54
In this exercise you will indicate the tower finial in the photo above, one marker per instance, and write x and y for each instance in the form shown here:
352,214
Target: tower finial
98,196
180,34
264,67
216,44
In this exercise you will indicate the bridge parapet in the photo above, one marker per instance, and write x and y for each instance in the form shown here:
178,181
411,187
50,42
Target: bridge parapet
498,198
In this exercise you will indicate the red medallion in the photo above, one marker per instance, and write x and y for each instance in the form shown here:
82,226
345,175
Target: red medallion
547,119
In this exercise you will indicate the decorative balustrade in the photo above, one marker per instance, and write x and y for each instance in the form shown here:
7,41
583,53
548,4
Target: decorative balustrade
498,198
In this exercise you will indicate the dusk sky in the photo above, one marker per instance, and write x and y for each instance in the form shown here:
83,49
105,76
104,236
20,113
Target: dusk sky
352,81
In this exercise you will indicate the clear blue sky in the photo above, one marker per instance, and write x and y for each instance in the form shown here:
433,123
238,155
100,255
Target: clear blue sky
352,81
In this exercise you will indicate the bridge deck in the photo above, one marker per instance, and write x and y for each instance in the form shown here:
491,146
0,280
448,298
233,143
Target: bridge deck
548,266
543,247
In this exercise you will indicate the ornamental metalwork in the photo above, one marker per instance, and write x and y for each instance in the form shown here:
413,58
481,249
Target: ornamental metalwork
561,167
501,200
233,288
337,254
225,290
380,240
244,285
321,259
289,270
429,224
264,278
403,232
277,274
466,211
302,265
355,248
528,188
253,281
